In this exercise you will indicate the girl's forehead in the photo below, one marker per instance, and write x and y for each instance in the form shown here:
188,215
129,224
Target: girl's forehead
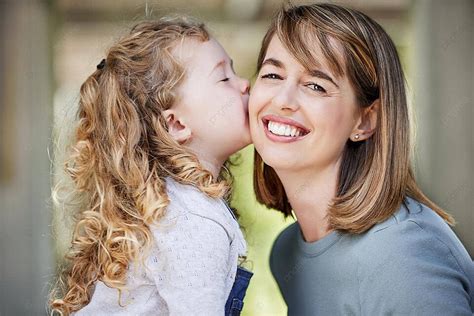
197,54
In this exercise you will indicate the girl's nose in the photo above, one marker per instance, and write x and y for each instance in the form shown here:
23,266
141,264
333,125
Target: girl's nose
244,86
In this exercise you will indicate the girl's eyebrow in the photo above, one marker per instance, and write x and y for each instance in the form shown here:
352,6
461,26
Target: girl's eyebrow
222,63
219,64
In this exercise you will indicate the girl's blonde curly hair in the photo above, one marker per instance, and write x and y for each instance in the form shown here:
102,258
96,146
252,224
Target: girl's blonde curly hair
121,154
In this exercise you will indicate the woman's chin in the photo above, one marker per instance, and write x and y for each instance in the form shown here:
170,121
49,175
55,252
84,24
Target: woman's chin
280,162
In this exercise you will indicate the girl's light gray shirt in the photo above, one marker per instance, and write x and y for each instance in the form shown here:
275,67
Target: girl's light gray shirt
192,265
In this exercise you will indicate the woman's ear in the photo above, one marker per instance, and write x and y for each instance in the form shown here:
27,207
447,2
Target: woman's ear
367,122
178,130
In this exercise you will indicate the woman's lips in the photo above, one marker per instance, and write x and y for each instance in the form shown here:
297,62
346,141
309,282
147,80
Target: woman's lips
284,120
283,139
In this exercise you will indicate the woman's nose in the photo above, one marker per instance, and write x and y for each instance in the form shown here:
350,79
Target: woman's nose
285,99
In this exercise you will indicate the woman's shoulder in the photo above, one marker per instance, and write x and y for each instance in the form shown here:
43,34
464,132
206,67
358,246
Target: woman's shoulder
285,242
414,233
287,236
414,222
414,260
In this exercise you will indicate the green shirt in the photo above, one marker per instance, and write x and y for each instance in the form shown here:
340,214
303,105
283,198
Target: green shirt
411,264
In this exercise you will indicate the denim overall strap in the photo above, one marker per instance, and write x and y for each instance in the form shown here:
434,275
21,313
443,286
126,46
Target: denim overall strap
235,301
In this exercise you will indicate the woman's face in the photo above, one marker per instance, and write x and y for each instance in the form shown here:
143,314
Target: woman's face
300,118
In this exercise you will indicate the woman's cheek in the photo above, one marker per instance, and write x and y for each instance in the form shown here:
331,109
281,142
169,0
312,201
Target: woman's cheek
253,102
336,119
257,95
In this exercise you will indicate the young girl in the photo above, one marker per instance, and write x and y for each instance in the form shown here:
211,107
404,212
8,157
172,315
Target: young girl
329,120
156,122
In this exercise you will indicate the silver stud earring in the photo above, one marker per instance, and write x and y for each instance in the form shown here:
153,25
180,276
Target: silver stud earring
356,136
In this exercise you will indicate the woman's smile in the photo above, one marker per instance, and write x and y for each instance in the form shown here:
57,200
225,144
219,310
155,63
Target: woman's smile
283,130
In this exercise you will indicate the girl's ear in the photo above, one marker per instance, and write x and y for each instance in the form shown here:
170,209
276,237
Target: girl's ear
367,122
178,130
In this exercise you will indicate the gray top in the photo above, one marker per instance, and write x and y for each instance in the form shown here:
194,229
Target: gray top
411,264
191,268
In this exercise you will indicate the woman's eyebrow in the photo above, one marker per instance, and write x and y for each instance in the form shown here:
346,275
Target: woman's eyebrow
273,62
321,74
313,73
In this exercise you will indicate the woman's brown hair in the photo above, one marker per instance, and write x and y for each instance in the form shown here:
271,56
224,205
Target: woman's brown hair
375,174
121,154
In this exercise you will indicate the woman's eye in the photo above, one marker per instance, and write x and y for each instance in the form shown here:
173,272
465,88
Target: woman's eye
271,76
315,87
225,79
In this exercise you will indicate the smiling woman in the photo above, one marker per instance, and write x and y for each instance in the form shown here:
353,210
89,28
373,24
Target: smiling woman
329,120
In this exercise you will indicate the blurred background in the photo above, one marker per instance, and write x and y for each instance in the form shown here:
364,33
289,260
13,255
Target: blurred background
48,48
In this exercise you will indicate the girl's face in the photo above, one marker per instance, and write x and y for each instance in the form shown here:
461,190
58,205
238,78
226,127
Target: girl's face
212,102
300,118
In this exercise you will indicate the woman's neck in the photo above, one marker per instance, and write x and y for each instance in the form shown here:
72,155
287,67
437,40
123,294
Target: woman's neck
309,193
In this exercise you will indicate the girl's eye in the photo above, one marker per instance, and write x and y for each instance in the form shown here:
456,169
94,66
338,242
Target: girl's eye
316,87
225,79
271,76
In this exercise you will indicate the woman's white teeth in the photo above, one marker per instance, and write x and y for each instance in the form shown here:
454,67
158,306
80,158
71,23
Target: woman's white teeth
284,129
